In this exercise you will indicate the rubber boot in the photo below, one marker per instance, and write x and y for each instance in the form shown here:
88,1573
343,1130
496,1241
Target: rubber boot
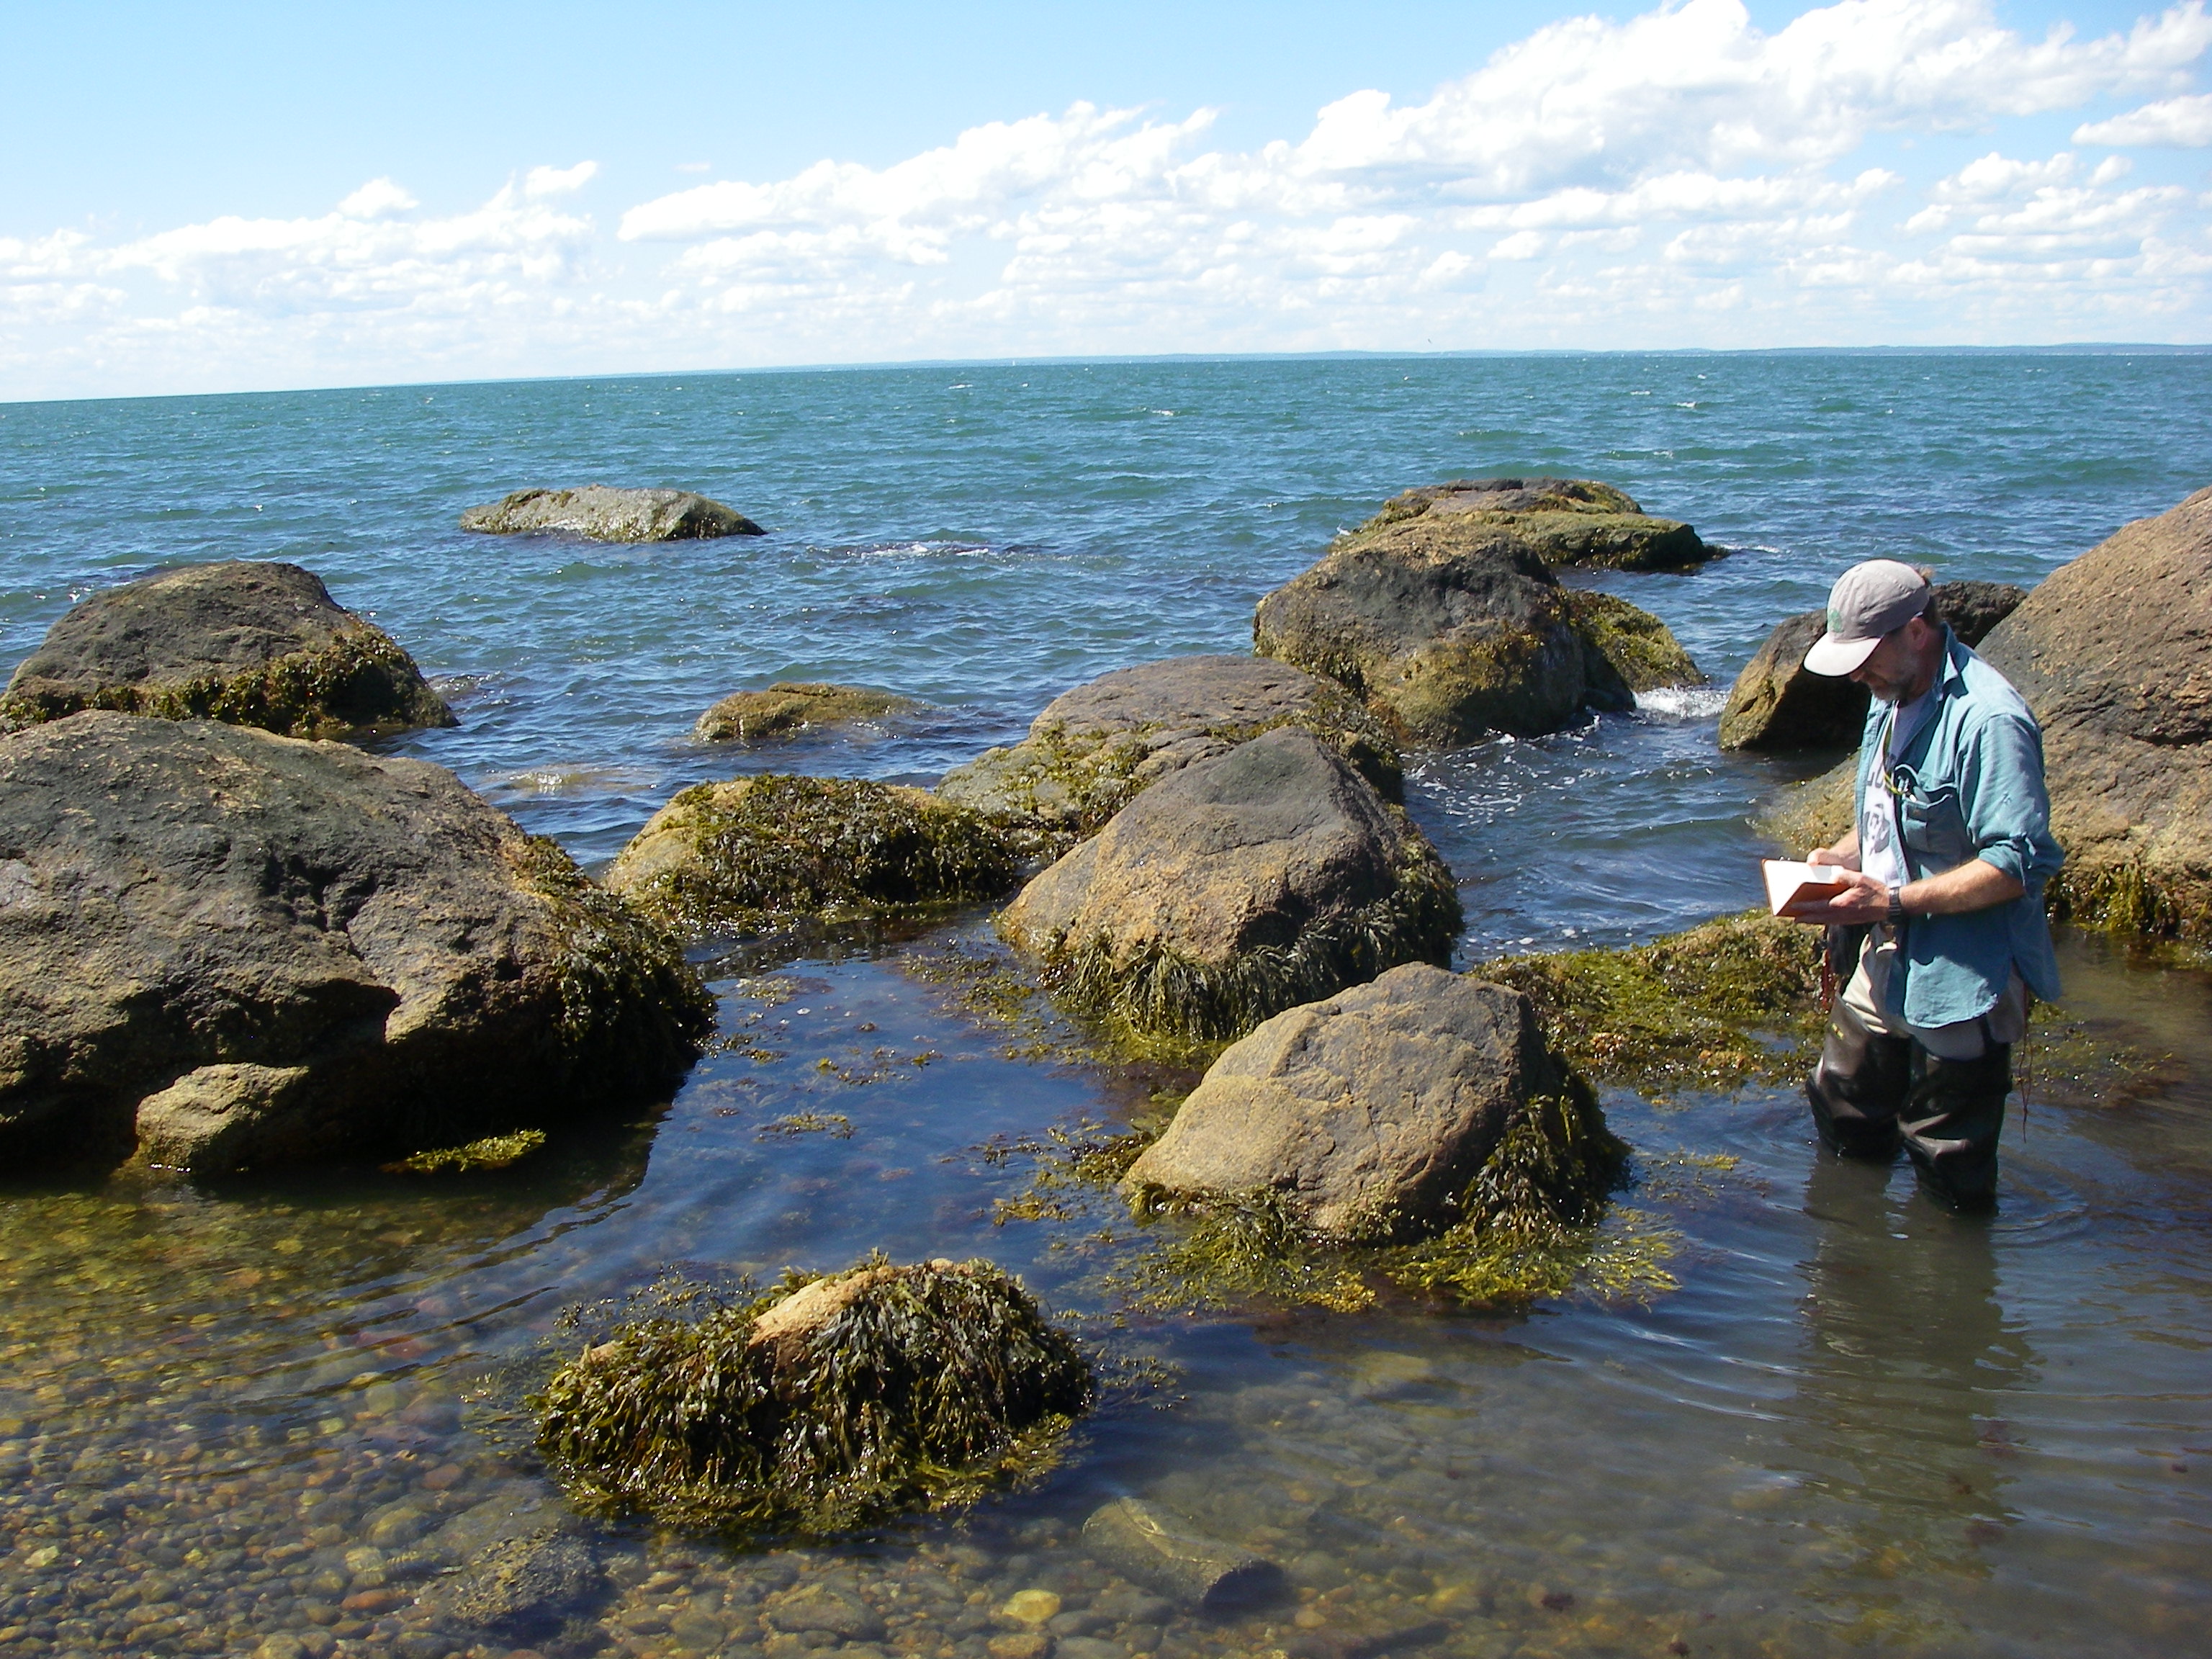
1951,1121
1856,1090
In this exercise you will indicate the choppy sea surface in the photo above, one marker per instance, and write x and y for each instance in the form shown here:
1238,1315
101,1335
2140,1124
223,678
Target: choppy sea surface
240,1417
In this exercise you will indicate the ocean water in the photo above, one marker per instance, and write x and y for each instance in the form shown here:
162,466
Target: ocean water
1858,1424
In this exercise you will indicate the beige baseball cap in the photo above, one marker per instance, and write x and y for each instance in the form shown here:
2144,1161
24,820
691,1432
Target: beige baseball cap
1868,601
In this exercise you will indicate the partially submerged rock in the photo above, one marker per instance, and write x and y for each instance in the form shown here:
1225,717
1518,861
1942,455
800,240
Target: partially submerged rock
883,1389
1450,637
2114,654
1777,705
1561,520
762,852
1268,876
226,948
252,643
1162,1551
605,515
1366,1114
1093,750
524,1589
791,706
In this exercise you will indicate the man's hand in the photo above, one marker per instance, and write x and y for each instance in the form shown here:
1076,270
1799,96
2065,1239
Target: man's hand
1844,853
1860,898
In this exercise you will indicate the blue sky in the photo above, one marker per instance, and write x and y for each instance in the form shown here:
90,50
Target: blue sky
241,196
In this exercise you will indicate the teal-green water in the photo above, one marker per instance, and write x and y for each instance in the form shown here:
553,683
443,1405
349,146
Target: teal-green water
241,1415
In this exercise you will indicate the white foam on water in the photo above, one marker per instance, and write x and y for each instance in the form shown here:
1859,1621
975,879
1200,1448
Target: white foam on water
1683,703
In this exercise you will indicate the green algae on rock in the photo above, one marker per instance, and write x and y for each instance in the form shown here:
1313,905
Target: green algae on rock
1267,876
247,642
1564,521
492,1152
759,854
791,706
607,515
829,1405
1094,749
1728,1002
1448,637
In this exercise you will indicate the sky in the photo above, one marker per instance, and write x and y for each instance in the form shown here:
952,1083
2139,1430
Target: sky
231,197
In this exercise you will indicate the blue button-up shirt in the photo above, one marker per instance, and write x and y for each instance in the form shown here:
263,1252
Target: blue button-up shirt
1969,785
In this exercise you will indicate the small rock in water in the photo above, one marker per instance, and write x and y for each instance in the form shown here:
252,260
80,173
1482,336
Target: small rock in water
1030,1607
607,515
1154,1547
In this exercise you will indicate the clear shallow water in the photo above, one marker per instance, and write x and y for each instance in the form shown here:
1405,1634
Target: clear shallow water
1858,1425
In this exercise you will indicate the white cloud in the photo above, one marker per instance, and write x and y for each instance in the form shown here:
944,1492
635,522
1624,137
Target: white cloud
1681,177
541,182
2179,122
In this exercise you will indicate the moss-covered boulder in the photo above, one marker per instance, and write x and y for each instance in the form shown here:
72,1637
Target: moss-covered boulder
1776,705
1267,876
2114,654
605,515
1560,520
1366,1114
756,855
1452,637
1093,750
248,642
222,948
789,706
882,1389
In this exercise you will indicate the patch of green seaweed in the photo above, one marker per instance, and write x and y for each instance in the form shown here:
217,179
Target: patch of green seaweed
2126,897
1732,1001
1642,649
492,1152
924,1389
785,848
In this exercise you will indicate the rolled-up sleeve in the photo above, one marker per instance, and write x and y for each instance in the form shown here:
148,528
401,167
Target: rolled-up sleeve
2006,807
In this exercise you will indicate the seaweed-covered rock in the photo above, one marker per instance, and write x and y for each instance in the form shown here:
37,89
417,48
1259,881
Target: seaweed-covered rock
2114,654
758,853
881,1390
1094,749
1366,1114
1776,705
1561,520
1449,637
605,515
224,948
791,706
1268,876
1163,1551
249,642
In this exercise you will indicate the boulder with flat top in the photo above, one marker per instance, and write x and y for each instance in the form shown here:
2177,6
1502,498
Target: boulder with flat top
1270,875
605,515
2114,654
252,642
221,948
1564,521
1096,748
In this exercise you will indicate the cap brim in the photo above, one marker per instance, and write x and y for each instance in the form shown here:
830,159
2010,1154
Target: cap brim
1837,658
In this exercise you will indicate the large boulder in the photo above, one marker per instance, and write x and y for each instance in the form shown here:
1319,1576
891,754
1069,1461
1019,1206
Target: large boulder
222,947
1093,750
1561,520
252,643
605,515
1367,1114
2114,654
790,706
1449,637
1271,875
1776,704
763,854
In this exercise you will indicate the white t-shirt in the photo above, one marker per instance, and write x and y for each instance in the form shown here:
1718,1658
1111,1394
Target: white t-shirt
1881,854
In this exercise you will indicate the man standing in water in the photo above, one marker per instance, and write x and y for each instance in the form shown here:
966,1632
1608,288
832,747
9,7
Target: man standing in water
1939,925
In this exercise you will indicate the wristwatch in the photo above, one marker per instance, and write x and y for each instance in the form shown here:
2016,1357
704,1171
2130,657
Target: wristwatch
1896,906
